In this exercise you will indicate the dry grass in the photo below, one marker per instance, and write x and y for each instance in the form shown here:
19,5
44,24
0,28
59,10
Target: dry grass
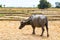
9,31
29,10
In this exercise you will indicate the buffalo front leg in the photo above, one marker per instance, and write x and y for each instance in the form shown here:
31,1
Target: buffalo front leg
42,31
33,29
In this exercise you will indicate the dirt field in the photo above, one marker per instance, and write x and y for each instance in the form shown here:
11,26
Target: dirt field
9,31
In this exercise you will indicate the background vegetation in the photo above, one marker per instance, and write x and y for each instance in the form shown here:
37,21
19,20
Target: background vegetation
44,4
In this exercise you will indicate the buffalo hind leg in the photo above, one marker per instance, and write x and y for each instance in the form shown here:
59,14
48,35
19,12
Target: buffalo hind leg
47,30
42,31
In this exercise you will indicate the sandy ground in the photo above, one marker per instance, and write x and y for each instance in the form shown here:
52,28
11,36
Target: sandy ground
9,30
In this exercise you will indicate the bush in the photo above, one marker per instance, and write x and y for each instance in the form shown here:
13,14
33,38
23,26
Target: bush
57,7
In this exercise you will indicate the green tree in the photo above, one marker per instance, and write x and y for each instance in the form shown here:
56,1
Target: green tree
44,4
57,4
0,5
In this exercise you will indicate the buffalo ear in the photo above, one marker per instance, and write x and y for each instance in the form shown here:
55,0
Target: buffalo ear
23,21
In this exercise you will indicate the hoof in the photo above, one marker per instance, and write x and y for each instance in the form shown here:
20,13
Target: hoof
47,35
33,33
40,35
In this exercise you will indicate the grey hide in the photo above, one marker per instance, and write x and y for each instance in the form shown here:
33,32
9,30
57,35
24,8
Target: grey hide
36,21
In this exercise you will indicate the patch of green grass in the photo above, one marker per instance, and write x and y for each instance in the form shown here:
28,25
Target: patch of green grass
1,15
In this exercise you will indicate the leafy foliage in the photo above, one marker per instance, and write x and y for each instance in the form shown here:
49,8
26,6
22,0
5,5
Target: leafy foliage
57,4
57,7
44,4
0,5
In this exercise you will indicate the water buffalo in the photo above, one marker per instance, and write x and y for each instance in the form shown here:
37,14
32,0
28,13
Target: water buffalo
36,21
